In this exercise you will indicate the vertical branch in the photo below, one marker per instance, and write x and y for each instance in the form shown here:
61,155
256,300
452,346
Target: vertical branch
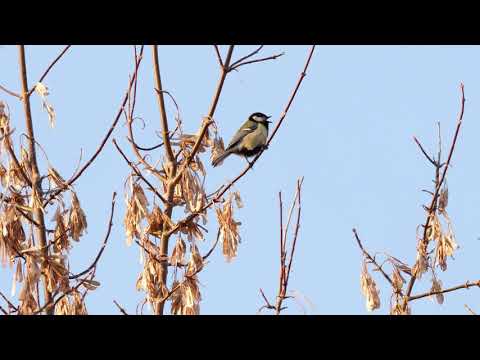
36,188
161,104
172,165
432,208
284,269
221,81
282,247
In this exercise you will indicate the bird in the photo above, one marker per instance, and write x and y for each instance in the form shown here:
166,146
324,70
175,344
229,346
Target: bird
249,140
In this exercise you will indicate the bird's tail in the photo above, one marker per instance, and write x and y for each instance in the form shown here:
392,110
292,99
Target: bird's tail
219,159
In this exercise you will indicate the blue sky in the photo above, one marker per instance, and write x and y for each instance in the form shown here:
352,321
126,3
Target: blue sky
349,133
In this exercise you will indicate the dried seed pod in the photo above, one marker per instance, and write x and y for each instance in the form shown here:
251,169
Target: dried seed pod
369,289
77,219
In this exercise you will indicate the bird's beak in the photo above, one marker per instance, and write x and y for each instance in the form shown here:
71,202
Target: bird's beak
268,117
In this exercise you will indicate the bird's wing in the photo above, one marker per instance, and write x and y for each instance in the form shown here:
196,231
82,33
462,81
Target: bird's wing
245,129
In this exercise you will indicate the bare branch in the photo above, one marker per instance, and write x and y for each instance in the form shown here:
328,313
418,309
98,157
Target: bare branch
122,310
284,269
138,173
430,293
424,152
8,302
221,81
49,68
3,311
219,57
161,103
10,92
254,52
370,258
470,310
272,57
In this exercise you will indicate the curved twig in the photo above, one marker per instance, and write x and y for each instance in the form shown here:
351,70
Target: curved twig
10,92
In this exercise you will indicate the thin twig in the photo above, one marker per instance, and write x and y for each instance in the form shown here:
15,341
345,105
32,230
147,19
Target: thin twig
8,302
138,173
470,310
247,56
267,303
97,258
370,258
286,270
430,293
434,163
213,247
272,57
219,57
3,310
10,92
122,310
221,81
49,68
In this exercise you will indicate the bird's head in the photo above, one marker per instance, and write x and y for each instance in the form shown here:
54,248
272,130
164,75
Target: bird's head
260,118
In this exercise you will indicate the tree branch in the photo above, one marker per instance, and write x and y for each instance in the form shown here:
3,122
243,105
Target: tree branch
49,68
10,92
36,188
122,310
430,293
438,186
272,57
161,103
370,258
434,163
138,173
219,57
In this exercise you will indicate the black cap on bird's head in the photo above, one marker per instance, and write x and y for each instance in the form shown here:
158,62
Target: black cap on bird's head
260,117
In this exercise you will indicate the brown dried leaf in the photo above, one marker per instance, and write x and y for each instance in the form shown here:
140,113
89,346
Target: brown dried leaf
437,286
443,200
56,178
178,253
369,289
77,219
228,230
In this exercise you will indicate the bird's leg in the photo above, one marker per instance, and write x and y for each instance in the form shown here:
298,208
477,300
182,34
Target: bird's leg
265,147
249,163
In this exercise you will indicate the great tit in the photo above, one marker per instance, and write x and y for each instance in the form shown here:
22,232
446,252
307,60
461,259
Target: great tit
249,140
